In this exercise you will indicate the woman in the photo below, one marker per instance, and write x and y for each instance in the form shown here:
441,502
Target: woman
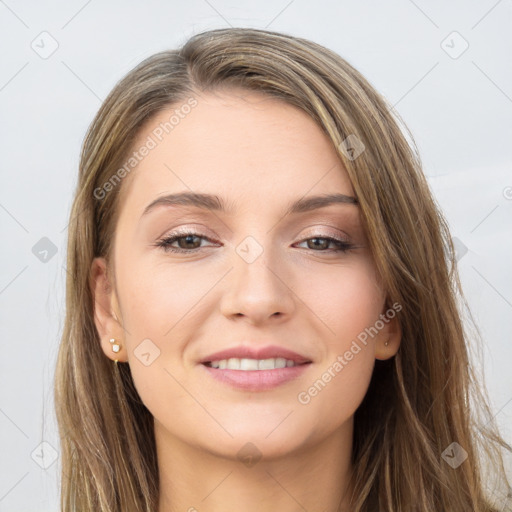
263,313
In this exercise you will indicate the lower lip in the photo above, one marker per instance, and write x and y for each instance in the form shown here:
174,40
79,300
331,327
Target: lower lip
257,380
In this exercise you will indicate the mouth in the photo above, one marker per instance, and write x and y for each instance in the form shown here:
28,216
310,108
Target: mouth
247,364
249,357
248,369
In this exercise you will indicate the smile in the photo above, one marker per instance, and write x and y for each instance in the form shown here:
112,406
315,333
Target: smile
243,364
254,374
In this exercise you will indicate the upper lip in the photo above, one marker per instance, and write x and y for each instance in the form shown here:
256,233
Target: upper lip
247,352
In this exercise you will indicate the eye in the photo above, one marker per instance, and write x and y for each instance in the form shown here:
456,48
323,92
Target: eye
321,244
187,242
190,241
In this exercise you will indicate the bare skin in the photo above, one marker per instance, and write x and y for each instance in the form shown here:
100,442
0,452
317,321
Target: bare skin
259,155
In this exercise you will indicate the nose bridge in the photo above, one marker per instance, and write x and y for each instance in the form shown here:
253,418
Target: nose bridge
257,289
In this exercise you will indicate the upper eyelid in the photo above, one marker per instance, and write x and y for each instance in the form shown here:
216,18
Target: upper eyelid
190,229
199,232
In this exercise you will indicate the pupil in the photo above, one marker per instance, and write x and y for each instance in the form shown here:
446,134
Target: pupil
316,244
189,240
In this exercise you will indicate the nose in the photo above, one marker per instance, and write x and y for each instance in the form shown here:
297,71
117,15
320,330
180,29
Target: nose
258,292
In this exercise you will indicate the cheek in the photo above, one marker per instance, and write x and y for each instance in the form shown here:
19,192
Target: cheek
346,298
162,307
332,399
155,298
349,302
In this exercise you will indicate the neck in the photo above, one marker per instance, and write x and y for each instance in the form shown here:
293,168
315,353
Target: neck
315,477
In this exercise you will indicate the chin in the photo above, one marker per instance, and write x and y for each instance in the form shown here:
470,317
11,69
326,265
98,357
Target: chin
261,441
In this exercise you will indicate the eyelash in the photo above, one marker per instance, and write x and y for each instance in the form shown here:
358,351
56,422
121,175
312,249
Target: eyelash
165,243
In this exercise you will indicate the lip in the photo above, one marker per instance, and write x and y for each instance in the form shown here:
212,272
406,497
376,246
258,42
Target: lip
248,352
256,380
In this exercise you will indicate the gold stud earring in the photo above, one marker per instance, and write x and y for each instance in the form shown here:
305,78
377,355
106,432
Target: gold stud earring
116,347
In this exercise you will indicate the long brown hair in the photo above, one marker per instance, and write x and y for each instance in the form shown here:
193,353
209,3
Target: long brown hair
418,403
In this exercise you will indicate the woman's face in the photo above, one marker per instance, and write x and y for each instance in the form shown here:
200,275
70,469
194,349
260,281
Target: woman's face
258,277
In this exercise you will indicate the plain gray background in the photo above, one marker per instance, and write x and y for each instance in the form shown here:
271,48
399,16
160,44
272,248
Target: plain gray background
445,68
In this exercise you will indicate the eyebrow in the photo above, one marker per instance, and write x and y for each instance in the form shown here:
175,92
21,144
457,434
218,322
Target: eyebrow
215,203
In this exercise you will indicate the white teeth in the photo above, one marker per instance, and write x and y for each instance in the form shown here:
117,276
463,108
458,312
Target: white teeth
245,364
266,364
280,362
235,363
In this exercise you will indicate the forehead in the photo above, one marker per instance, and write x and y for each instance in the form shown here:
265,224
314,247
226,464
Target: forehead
248,147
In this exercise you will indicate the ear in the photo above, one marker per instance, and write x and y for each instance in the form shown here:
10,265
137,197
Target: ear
106,311
388,340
